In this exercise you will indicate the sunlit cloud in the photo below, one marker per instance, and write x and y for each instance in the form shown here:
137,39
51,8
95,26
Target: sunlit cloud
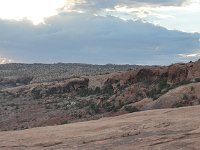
4,60
74,6
182,17
190,55
98,29
173,14
75,37
34,10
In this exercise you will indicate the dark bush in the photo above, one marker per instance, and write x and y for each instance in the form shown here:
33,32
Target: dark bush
177,105
36,93
65,122
153,93
131,109
197,80
185,97
97,91
192,88
162,84
138,94
108,90
108,106
93,106
83,92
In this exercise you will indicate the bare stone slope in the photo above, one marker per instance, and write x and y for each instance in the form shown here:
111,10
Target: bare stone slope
167,129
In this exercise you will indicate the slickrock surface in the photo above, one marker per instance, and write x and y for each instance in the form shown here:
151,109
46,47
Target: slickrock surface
167,129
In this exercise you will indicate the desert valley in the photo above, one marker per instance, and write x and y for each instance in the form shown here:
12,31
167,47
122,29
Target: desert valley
59,95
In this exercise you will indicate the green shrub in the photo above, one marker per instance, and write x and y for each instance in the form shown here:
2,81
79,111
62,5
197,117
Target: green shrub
193,97
181,83
192,88
131,109
121,104
197,80
65,122
138,94
108,90
47,106
93,106
83,92
153,93
162,84
185,97
177,105
36,93
86,92
97,91
108,106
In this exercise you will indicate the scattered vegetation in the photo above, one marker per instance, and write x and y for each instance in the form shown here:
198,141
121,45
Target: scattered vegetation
108,90
184,82
36,93
163,88
180,104
192,88
108,106
139,95
64,122
154,93
54,72
81,101
93,106
131,109
162,84
197,80
185,97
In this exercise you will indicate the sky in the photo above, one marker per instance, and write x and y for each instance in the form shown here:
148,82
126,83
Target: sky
142,32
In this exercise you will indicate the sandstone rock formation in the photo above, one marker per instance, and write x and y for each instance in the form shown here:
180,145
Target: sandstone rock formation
167,129
26,103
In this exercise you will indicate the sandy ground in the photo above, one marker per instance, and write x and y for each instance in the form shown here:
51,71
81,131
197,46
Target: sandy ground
167,129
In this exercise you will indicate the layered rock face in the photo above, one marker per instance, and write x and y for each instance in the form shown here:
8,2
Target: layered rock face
61,87
175,73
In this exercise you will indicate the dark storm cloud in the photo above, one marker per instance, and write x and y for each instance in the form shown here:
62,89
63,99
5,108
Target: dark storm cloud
73,37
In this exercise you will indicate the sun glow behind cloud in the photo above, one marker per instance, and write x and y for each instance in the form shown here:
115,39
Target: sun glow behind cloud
4,60
183,17
78,27
34,10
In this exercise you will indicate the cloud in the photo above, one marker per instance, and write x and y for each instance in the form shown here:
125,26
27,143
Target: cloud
75,37
101,4
4,60
173,14
34,10
190,55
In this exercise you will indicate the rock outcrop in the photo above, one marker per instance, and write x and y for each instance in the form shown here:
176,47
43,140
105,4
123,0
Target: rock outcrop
177,73
27,104
167,129
173,74
186,95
